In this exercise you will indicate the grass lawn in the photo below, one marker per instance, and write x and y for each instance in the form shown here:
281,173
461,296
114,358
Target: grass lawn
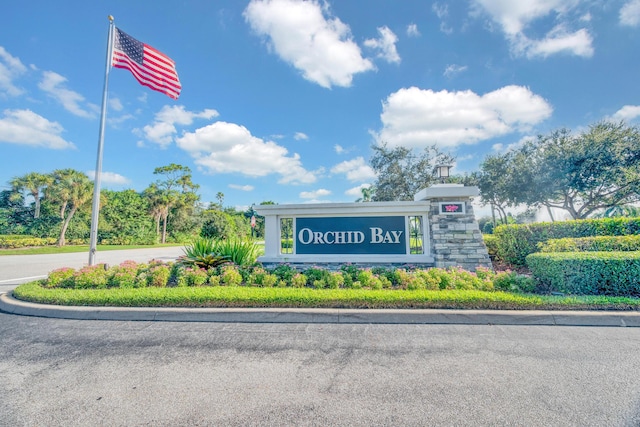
247,296
78,248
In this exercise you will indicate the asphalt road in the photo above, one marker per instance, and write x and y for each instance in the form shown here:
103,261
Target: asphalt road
17,269
88,373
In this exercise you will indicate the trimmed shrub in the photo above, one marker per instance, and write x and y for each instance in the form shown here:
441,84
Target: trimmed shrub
592,244
335,280
491,242
588,273
16,241
158,275
124,275
230,276
62,277
517,241
95,276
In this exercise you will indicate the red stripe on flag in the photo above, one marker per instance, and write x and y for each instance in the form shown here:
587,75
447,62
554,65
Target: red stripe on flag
157,71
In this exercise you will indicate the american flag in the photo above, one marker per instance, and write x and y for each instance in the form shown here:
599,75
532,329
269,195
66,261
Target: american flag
150,67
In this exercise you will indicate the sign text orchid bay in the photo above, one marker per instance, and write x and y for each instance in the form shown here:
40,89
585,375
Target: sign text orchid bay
351,235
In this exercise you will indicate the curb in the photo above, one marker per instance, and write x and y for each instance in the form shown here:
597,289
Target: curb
10,305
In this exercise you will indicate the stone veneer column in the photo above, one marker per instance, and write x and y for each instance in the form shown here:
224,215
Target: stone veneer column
456,240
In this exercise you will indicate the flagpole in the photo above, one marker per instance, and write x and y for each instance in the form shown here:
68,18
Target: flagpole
95,207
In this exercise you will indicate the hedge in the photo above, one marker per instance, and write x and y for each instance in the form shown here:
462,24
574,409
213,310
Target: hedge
592,244
22,241
491,242
516,241
587,273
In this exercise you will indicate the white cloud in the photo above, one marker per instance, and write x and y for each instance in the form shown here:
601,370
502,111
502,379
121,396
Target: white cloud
415,117
339,149
316,194
630,13
516,17
357,191
24,127
115,104
305,35
453,69
242,187
412,30
514,146
224,147
53,84
442,12
559,40
163,129
10,68
300,136
109,178
627,113
385,45
355,170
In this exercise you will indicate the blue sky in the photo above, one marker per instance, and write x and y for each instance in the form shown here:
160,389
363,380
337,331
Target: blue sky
282,100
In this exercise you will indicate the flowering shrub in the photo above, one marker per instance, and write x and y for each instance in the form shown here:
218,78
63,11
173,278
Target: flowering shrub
196,276
335,280
230,276
131,275
299,280
62,277
95,276
158,275
124,275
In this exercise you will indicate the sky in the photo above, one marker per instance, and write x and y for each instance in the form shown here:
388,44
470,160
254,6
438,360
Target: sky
282,100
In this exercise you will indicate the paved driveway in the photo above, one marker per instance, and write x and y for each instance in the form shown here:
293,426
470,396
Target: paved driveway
68,372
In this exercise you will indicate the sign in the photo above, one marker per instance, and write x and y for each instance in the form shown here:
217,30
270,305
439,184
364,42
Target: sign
253,221
449,208
351,235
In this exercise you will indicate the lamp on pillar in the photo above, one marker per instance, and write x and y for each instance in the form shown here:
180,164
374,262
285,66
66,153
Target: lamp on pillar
443,172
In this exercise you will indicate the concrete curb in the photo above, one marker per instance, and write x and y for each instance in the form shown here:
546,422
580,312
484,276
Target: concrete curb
11,305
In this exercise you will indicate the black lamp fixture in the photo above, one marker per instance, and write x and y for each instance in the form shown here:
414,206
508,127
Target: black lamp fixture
443,172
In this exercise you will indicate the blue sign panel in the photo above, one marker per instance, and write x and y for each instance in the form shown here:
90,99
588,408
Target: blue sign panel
351,235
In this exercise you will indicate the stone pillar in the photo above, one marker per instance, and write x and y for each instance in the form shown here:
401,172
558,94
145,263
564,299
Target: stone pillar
456,240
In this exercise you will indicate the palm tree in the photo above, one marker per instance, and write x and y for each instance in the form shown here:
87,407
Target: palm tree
33,182
367,194
72,190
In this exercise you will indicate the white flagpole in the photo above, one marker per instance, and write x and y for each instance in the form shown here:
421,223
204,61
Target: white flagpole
95,207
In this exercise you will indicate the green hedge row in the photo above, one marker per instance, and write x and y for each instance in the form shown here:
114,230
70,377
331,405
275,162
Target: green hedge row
517,241
587,273
19,241
592,244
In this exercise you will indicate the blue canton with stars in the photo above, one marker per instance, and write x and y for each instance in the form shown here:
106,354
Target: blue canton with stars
133,48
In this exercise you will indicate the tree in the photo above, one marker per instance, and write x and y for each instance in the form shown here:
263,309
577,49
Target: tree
217,225
619,211
401,173
13,214
175,191
124,219
34,183
368,193
582,174
494,182
220,198
71,190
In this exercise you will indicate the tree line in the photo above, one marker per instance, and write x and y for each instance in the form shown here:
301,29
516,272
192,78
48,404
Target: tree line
594,172
169,210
